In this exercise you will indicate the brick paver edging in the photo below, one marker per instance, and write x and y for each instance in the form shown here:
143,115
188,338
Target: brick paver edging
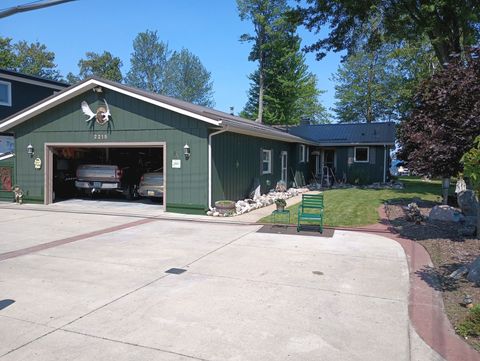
425,307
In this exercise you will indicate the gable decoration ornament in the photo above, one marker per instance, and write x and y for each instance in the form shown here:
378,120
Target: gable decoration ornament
102,115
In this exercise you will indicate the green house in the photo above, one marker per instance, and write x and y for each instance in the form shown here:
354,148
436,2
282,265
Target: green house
227,155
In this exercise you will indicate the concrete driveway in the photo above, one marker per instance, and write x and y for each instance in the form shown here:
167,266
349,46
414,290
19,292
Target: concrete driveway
95,287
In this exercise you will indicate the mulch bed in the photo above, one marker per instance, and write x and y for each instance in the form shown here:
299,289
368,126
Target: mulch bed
289,229
448,252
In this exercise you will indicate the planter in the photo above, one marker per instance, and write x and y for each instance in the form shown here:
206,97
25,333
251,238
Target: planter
225,207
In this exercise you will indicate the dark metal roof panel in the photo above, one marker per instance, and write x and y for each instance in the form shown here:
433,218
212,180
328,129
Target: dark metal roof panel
347,133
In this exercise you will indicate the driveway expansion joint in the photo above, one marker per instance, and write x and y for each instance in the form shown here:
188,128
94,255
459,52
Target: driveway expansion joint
133,344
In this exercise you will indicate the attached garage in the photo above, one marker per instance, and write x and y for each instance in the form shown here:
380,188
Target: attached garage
204,155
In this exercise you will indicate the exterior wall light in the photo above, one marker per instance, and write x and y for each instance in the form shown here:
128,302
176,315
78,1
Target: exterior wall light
186,152
30,150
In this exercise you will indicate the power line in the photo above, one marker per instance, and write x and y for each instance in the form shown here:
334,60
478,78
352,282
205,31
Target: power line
34,5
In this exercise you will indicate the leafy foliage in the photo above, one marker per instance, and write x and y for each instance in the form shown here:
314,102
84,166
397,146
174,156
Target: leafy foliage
102,65
471,164
188,79
445,120
379,85
471,326
282,90
266,17
148,63
32,59
181,74
449,25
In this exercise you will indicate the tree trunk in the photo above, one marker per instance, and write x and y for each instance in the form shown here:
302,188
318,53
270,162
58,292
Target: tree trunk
260,95
445,186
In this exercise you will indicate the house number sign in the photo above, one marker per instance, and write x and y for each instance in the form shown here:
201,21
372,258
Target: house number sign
100,136
176,163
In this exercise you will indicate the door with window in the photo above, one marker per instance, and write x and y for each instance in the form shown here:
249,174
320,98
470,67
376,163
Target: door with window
284,175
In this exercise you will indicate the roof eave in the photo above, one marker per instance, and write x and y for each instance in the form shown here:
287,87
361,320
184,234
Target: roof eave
79,88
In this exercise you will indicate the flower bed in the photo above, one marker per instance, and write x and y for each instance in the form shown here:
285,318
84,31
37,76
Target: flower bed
247,205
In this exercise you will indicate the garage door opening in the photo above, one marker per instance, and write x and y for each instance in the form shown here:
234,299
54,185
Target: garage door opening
111,172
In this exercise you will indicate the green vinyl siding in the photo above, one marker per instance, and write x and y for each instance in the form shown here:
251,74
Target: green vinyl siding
359,172
236,164
132,121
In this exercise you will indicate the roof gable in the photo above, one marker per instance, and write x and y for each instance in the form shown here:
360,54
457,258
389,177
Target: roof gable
213,117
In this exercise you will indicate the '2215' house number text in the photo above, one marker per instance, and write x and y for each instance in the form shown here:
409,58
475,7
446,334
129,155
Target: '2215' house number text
100,136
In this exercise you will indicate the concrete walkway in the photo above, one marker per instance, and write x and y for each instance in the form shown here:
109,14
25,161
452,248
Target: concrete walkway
91,286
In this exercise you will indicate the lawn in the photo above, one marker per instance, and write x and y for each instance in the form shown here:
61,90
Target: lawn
358,207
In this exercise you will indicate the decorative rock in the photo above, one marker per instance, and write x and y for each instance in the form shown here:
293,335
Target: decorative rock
467,203
215,214
467,230
459,273
209,213
474,272
461,186
281,186
444,213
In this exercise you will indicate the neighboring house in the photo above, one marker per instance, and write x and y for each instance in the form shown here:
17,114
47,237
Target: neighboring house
356,153
17,92
227,154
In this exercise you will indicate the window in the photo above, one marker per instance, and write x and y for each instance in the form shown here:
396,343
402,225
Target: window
361,155
302,153
5,93
266,161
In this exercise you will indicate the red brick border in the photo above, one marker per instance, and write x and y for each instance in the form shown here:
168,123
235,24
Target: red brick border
59,242
425,307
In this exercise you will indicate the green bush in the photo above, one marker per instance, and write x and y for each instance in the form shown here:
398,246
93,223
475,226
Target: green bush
471,326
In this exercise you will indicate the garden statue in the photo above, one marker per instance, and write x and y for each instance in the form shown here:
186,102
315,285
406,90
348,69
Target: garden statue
18,194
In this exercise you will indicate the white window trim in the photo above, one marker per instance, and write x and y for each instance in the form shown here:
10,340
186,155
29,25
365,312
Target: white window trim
9,93
269,170
355,155
302,153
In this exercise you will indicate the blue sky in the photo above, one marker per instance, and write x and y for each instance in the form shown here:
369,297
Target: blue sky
208,28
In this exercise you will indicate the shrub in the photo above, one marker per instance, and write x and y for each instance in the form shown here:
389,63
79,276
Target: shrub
280,202
471,326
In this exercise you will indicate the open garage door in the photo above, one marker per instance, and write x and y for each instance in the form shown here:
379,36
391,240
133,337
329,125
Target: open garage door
110,171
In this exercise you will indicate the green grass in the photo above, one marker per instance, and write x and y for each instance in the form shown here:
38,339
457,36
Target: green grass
359,207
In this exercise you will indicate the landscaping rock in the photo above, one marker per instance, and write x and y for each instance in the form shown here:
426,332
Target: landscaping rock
474,272
467,202
459,273
467,230
444,213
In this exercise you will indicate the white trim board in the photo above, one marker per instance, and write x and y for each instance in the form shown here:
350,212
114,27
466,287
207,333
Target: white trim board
82,87
31,81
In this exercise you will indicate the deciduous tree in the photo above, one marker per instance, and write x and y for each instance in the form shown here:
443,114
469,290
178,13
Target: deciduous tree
32,59
445,120
103,65
449,25
148,63
187,79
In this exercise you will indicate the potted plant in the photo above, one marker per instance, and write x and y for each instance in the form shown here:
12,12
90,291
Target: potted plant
281,204
225,207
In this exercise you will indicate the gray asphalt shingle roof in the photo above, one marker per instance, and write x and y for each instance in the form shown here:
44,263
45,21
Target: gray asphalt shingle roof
347,133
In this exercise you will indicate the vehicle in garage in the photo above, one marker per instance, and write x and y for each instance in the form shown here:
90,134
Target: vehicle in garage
151,185
93,178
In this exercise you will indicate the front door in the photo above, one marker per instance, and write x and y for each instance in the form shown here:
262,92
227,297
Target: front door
284,174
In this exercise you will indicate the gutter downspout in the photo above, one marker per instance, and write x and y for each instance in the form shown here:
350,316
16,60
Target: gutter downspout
210,163
384,163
